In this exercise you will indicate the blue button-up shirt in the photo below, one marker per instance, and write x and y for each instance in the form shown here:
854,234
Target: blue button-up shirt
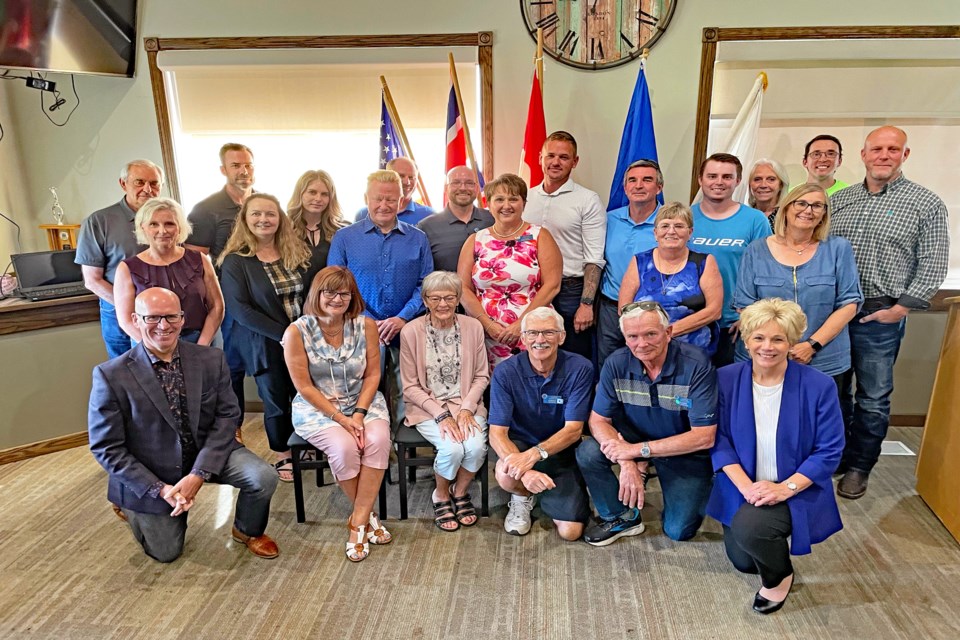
625,239
412,214
535,408
388,267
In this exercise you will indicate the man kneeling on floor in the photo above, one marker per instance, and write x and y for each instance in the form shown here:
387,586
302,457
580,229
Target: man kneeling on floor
539,401
656,401
162,420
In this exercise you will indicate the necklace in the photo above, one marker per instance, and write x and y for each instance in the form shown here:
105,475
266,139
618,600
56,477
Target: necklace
665,284
332,333
502,236
446,371
799,251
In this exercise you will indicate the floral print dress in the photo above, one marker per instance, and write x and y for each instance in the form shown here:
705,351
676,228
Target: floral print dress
506,277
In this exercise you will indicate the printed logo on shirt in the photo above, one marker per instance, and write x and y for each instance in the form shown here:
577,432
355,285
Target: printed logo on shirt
719,242
674,397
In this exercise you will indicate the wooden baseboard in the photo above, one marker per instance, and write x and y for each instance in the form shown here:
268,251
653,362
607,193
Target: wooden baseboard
253,406
908,420
32,450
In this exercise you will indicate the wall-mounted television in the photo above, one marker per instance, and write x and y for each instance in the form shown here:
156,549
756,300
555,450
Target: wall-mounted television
69,36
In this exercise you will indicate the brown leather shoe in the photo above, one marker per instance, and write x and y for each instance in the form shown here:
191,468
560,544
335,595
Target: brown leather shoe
120,514
239,435
853,484
260,546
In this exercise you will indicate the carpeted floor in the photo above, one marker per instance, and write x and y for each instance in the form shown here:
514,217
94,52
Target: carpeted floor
70,569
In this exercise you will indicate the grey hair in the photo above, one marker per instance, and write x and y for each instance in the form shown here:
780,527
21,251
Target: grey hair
636,313
125,172
542,313
441,281
644,163
153,205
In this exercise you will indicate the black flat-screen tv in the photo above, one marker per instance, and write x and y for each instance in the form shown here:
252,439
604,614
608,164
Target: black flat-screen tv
69,36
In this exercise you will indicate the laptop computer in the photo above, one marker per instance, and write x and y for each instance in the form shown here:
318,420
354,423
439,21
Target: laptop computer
46,275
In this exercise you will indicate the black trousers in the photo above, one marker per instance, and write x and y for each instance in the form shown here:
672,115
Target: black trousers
756,542
609,336
566,303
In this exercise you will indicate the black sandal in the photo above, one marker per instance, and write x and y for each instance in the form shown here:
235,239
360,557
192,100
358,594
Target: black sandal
464,509
444,514
283,463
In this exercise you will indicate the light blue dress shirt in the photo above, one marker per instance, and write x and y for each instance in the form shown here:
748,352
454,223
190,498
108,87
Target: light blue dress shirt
625,239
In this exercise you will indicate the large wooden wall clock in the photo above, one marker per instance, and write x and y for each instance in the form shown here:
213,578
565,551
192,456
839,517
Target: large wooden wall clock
597,34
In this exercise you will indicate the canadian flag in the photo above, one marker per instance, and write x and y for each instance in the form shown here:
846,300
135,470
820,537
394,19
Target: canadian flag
533,137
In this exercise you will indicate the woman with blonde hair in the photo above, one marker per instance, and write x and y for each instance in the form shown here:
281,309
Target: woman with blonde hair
315,213
265,269
161,225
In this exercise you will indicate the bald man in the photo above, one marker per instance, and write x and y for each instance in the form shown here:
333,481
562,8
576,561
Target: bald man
450,228
411,211
161,422
900,240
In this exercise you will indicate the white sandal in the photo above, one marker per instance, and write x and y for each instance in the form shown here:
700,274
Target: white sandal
378,533
357,551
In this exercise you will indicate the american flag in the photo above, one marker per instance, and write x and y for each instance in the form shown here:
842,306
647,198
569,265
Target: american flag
390,144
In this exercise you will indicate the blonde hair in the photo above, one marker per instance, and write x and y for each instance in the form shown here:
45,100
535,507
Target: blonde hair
674,211
331,219
153,205
385,176
822,230
785,313
294,252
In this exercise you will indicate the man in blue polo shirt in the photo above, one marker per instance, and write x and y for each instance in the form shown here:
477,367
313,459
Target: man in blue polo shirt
411,211
629,232
389,259
656,401
539,401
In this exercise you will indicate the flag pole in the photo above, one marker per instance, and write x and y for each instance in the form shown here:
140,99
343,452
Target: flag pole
463,118
392,108
539,59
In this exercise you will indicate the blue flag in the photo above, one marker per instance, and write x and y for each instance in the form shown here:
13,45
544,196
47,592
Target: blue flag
390,144
638,141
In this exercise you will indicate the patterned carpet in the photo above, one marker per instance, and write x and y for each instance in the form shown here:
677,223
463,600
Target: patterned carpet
70,569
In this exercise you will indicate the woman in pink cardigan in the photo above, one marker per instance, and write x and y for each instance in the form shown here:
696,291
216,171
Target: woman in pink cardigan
443,367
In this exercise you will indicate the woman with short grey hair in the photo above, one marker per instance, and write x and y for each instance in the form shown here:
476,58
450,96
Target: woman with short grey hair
443,367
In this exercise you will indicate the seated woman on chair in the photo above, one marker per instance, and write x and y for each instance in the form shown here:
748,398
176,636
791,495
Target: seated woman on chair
443,366
333,355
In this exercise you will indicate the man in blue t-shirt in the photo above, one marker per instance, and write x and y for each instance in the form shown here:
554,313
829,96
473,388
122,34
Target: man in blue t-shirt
539,401
723,228
656,401
411,211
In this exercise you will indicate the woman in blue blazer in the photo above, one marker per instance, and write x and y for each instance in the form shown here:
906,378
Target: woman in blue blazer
265,272
779,440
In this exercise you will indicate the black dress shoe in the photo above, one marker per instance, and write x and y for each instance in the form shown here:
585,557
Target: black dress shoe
764,606
853,484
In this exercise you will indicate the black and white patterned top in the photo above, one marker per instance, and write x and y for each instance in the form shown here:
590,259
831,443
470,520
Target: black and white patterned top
288,285
443,361
900,239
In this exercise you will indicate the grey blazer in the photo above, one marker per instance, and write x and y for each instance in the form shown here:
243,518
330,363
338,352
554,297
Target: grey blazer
132,431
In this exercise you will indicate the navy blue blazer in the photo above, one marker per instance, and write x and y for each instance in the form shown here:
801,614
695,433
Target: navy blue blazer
132,430
257,313
810,439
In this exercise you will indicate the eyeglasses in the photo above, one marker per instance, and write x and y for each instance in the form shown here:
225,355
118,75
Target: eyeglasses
816,207
140,184
329,294
439,299
172,319
546,333
462,183
830,155
672,226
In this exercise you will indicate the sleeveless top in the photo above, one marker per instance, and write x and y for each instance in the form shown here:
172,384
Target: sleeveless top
679,294
336,372
184,277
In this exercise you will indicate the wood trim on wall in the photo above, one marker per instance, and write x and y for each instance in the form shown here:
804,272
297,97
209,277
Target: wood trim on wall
483,40
17,316
34,449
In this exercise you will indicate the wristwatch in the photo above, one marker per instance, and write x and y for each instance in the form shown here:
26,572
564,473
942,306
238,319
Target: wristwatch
543,452
816,345
645,450
792,486
586,301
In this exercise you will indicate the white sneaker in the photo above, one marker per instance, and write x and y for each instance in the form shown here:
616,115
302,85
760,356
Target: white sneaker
517,522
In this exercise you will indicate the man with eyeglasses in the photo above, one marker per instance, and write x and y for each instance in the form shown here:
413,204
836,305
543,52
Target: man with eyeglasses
629,232
656,402
450,228
900,236
107,238
411,211
539,401
161,423
821,158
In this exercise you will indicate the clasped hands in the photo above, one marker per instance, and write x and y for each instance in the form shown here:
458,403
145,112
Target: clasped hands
621,452
181,495
519,466
353,425
765,493
458,429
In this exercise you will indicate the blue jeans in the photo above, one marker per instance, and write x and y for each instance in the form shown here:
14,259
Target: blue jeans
162,536
866,412
609,336
116,341
685,482
566,304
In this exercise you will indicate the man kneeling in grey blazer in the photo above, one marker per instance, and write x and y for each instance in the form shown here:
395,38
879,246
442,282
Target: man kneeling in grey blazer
162,420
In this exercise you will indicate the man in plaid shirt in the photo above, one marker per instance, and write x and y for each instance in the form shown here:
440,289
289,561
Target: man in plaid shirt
900,239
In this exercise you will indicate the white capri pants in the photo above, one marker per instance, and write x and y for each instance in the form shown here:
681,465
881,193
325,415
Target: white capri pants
451,455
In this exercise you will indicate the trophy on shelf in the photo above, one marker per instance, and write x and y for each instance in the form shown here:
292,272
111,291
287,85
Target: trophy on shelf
56,209
60,236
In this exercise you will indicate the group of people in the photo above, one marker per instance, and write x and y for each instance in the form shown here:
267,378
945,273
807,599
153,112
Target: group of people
708,343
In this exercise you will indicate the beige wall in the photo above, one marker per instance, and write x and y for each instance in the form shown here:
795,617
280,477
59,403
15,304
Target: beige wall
116,121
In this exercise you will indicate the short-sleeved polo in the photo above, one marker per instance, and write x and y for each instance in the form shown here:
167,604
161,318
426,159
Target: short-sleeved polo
684,395
535,408
107,238
212,220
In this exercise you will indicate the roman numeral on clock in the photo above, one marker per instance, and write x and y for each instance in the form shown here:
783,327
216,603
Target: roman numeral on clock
569,41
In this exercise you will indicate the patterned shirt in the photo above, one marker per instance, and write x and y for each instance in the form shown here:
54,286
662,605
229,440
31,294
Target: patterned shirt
900,239
288,285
